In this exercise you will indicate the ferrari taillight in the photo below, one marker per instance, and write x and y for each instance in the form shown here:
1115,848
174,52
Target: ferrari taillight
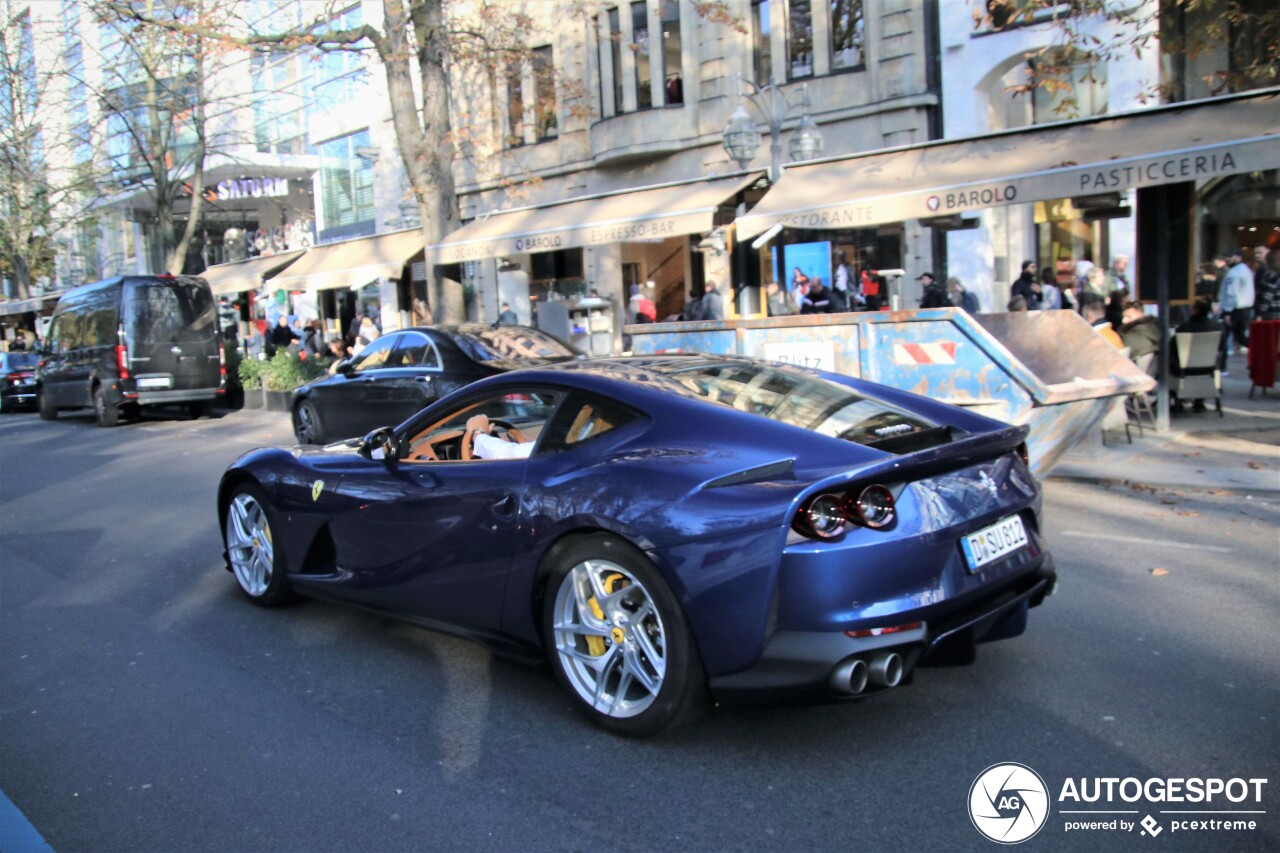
827,515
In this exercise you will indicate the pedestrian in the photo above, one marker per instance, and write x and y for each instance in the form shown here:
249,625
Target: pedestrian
961,297
1095,282
1017,303
1267,303
712,303
817,300
1235,301
1260,253
336,350
1050,295
843,284
1115,309
642,308
282,334
693,306
313,339
1140,332
1027,286
776,301
934,294
368,329
1094,312
507,317
1117,277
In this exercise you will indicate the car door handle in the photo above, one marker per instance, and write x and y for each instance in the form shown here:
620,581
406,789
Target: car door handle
505,507
425,380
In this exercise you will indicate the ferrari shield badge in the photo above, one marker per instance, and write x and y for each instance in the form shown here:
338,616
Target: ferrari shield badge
316,488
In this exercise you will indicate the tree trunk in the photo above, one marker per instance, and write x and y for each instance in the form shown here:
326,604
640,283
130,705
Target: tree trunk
426,147
21,276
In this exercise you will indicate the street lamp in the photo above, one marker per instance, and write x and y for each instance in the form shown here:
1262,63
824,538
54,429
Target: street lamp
741,138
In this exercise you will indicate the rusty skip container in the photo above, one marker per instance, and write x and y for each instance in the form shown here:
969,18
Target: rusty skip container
1047,369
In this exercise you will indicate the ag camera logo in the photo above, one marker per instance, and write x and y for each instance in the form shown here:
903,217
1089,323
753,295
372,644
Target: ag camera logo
1008,803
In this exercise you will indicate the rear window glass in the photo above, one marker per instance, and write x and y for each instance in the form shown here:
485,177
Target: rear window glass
173,311
508,343
808,402
23,359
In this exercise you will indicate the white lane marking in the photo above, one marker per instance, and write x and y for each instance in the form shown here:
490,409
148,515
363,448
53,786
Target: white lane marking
1135,541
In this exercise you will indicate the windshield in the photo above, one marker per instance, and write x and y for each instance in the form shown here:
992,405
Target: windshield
511,343
809,402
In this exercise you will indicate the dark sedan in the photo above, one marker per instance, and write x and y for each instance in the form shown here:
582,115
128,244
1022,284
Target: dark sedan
17,380
398,374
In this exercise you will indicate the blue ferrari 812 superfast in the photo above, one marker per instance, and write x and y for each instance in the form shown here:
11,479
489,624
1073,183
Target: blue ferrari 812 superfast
664,530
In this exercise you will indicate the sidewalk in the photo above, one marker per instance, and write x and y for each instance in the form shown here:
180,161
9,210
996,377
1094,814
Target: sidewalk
1239,452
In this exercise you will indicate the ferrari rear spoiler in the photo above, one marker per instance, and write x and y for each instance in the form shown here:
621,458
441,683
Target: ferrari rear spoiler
961,452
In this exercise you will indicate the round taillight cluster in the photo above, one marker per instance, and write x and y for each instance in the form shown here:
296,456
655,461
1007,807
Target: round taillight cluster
826,516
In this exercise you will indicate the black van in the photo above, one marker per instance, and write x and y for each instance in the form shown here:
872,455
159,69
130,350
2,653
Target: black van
129,342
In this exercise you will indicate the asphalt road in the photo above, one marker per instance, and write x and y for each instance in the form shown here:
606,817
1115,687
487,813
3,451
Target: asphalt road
145,706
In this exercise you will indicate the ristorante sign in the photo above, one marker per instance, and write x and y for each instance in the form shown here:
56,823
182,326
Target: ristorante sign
1066,181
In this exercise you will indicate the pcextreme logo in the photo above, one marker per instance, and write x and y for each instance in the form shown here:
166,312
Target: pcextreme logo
1009,803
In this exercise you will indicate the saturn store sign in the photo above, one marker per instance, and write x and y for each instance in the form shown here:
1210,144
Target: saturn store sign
252,188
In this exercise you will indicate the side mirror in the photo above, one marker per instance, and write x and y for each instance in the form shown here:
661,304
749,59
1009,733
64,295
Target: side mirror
380,444
344,367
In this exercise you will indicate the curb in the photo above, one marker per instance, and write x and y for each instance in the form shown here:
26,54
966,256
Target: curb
1264,491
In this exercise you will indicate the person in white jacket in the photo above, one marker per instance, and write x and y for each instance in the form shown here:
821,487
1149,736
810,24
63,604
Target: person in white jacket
1235,299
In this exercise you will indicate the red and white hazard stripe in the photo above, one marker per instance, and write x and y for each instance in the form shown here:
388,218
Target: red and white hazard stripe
943,352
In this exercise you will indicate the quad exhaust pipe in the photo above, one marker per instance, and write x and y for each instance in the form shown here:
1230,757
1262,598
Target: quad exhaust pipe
852,676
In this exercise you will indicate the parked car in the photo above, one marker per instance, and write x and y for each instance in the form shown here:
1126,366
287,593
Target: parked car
17,380
681,524
399,373
128,342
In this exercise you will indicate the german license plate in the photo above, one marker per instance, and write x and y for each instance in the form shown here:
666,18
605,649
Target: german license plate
992,543
154,382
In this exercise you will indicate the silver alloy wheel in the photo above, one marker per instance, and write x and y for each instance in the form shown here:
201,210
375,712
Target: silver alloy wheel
249,544
622,675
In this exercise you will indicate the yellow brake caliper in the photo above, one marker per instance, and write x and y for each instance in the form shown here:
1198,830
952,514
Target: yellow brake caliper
612,583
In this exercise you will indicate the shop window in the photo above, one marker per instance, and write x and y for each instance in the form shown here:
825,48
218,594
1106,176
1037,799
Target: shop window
672,53
848,36
615,57
544,93
1077,89
799,40
515,104
654,55
557,272
346,183
762,45
640,48
339,74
